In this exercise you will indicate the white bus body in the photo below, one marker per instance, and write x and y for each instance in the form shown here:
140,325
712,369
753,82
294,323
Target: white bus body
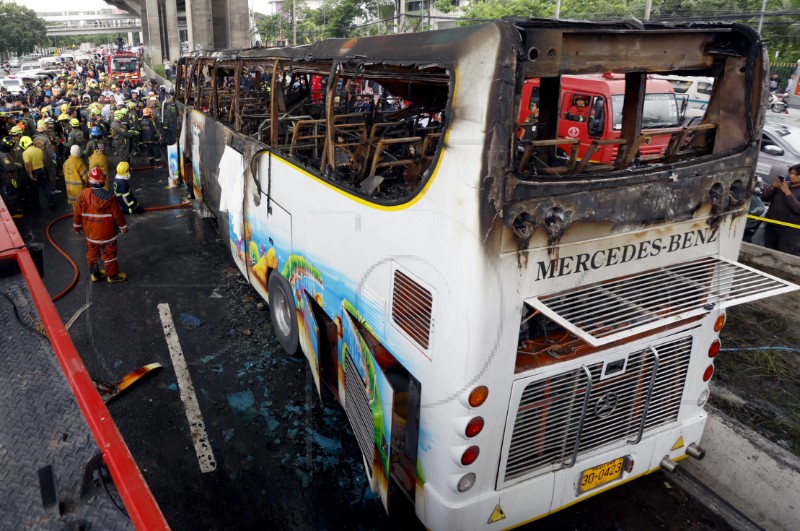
585,299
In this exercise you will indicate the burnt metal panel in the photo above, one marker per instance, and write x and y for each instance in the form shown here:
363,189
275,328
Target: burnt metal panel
630,202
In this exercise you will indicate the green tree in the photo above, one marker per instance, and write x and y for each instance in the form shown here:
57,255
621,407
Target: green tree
779,32
273,27
21,29
495,9
579,9
337,18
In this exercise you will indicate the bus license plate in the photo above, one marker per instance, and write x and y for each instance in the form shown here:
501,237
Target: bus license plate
601,474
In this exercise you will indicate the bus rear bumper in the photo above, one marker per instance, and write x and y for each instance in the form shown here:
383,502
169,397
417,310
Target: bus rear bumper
540,496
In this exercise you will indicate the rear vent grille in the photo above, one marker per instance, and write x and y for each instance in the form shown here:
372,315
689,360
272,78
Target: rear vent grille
563,416
356,405
412,309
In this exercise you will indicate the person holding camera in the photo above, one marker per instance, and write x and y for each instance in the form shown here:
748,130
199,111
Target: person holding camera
784,199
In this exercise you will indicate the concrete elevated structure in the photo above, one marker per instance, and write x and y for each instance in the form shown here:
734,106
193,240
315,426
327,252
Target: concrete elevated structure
90,22
208,24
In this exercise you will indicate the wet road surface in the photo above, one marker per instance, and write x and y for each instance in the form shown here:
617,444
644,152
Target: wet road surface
281,459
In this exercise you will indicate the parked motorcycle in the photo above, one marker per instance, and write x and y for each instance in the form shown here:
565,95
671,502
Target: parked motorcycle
757,208
778,102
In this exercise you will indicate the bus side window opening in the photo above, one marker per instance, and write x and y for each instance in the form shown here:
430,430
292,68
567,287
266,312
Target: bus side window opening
384,129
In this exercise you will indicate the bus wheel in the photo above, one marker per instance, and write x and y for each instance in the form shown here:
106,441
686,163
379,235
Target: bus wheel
283,313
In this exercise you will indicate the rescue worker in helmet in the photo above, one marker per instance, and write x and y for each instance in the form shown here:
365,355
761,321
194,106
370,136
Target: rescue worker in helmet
579,110
169,116
43,141
76,136
33,158
123,191
98,159
16,154
131,121
149,135
27,121
98,214
9,178
76,175
120,138
62,132
95,137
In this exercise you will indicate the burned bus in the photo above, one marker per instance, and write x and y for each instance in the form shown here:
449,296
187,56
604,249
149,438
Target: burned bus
510,326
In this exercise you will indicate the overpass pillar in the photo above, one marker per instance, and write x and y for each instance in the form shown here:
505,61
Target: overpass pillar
231,23
173,48
238,24
152,31
199,24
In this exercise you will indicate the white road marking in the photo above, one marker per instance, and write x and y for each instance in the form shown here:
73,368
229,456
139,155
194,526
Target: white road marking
205,455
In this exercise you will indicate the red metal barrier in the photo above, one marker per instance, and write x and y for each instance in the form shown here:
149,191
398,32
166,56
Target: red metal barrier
139,502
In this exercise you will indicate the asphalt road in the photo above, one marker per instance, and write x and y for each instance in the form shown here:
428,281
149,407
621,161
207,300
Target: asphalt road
281,459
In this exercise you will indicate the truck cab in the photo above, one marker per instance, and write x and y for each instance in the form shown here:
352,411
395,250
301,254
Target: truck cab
590,110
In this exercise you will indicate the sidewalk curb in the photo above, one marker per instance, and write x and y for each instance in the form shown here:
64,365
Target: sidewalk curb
755,476
779,264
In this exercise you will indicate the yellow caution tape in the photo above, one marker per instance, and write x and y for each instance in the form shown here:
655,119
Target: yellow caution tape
784,223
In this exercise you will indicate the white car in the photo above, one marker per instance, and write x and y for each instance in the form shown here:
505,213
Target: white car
14,62
780,149
14,86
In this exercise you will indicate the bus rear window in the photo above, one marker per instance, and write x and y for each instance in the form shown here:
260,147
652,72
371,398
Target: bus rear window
660,110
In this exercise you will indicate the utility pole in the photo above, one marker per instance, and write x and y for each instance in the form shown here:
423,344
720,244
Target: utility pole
761,18
648,6
294,22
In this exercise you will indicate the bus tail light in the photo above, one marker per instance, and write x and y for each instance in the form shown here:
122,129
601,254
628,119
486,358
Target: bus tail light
470,455
474,427
466,482
709,372
478,396
719,323
713,350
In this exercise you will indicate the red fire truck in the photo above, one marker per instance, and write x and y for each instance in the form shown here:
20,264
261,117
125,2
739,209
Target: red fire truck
123,66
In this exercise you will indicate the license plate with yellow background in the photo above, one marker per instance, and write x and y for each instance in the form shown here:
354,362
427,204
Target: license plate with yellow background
601,474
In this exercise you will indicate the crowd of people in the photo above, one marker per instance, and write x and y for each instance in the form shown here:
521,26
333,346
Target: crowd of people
55,132
64,135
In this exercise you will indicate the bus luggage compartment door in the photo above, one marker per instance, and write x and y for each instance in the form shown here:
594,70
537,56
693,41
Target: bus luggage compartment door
377,393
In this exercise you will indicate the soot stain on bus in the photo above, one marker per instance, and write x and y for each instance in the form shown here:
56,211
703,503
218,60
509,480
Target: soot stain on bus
558,183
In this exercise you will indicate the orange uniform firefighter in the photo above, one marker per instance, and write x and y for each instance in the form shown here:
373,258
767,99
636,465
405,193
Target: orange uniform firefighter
98,214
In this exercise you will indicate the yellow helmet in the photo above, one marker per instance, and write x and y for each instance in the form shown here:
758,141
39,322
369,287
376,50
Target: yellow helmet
131,104
25,142
16,130
46,109
122,168
41,127
63,117
74,122
64,107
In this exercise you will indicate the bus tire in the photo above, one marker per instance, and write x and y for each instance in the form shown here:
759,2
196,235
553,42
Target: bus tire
283,313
